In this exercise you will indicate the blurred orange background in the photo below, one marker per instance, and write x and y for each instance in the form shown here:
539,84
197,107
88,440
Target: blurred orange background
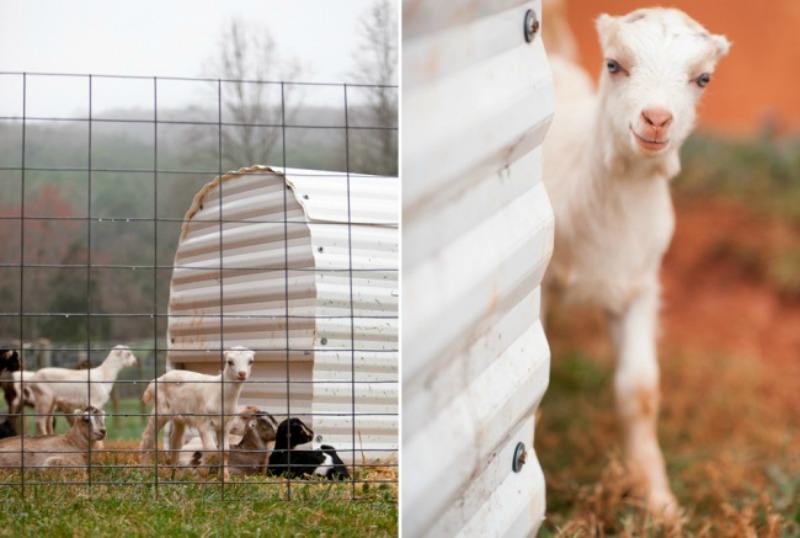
756,88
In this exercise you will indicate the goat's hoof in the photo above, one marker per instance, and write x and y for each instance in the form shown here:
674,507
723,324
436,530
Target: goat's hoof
663,505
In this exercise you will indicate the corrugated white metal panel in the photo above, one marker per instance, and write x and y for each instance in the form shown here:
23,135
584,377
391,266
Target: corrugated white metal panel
477,235
230,284
324,196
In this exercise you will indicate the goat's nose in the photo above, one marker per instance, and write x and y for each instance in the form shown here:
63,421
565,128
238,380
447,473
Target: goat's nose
242,374
657,117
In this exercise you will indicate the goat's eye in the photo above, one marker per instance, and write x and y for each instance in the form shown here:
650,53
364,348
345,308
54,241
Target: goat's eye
703,80
613,66
230,363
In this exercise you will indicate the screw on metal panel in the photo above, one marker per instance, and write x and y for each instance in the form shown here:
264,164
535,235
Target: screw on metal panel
520,456
324,341
305,197
319,438
531,25
320,249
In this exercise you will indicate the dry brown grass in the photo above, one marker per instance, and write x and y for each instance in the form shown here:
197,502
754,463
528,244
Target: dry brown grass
730,429
119,461
730,412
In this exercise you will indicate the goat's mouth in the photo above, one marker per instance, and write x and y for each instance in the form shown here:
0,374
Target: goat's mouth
649,144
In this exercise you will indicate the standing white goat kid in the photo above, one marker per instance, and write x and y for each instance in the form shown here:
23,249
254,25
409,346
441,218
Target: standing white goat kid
67,389
608,159
194,399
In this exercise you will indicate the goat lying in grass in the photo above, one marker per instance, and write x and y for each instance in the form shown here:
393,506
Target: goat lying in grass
67,450
290,462
251,455
63,389
192,399
238,425
608,159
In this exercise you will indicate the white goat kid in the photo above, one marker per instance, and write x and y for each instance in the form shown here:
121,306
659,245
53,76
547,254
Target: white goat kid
197,400
608,159
66,389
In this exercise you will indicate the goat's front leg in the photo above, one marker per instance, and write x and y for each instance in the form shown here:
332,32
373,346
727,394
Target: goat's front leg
176,441
224,440
45,408
206,432
633,332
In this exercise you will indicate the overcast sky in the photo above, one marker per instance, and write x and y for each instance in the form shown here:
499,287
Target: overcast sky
173,38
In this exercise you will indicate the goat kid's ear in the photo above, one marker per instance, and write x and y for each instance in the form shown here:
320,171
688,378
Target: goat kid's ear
721,45
607,28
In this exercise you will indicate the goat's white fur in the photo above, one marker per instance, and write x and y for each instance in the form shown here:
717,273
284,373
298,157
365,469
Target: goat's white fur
64,389
20,398
238,426
69,449
192,399
607,168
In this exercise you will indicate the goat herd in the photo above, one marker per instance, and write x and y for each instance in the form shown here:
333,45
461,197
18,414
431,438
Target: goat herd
232,440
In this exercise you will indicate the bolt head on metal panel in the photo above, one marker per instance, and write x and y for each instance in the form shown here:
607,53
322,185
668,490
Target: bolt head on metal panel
520,457
532,25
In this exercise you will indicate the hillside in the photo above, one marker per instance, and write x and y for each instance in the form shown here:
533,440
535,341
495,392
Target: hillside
123,219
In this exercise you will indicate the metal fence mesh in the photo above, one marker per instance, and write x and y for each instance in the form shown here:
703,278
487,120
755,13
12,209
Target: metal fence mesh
96,175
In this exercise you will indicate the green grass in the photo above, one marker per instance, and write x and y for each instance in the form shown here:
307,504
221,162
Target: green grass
190,509
123,499
729,434
763,172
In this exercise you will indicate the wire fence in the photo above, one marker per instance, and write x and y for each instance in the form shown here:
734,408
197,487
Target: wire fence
122,225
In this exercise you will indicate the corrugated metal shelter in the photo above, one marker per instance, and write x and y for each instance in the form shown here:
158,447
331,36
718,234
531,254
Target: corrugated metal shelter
301,266
477,237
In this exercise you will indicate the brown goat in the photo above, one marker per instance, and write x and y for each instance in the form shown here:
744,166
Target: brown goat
251,455
66,450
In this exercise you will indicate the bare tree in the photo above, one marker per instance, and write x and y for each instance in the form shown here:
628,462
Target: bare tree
255,101
376,65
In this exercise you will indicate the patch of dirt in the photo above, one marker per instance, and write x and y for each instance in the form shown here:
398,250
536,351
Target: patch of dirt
723,289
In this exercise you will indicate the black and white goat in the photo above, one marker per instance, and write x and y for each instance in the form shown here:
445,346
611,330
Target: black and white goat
288,461
9,362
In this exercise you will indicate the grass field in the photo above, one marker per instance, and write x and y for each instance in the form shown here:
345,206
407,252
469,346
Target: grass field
730,440
127,500
186,508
